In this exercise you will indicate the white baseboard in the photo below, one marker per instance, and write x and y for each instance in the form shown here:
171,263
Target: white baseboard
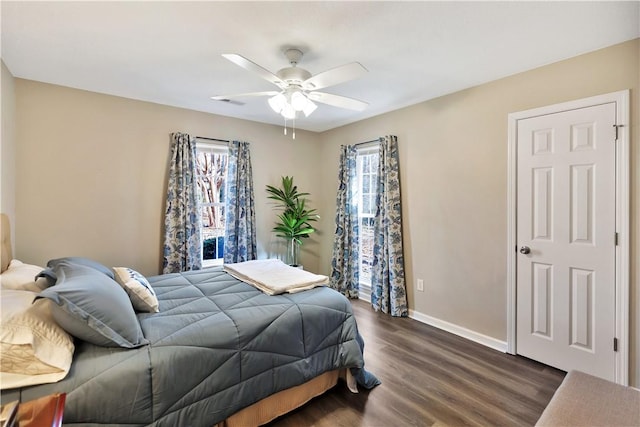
460,331
364,293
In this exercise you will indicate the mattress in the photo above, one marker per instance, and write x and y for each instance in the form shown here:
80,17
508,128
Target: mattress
217,346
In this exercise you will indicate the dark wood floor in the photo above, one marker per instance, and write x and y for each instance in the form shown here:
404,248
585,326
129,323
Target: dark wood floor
431,378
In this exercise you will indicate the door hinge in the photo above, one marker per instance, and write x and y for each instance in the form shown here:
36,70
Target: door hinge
616,239
615,344
616,128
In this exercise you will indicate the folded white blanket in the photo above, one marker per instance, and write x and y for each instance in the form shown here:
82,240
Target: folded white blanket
273,276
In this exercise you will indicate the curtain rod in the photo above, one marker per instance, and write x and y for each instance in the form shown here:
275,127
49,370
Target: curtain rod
367,142
212,139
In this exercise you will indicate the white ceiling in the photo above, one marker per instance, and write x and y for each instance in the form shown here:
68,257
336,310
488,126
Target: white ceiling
170,52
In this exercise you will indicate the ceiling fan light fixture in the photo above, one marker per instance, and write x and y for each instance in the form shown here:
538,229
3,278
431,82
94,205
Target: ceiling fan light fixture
278,102
288,112
299,101
309,108
288,103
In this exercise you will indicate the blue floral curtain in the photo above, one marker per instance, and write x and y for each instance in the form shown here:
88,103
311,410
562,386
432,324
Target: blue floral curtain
388,291
344,263
182,226
240,217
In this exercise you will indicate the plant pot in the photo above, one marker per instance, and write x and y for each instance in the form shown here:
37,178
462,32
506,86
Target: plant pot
293,253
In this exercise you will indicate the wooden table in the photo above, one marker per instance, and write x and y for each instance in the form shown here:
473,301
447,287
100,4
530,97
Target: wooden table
43,412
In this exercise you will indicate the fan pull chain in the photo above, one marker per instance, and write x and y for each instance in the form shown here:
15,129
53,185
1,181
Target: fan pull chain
293,128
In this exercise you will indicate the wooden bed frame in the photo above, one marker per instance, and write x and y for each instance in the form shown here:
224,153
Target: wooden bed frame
257,414
5,242
282,402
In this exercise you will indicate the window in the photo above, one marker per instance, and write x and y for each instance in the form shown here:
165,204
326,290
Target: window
211,166
367,166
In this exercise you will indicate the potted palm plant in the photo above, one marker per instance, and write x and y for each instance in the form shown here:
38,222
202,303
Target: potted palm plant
294,219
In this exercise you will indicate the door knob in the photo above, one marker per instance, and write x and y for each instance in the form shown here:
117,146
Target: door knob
525,250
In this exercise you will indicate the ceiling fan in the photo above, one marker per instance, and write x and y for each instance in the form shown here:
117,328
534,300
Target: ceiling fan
298,88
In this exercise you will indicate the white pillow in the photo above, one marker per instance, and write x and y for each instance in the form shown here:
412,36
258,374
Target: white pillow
21,276
140,292
35,350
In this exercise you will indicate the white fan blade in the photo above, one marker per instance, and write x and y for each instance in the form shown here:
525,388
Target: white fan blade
338,101
240,95
252,66
334,76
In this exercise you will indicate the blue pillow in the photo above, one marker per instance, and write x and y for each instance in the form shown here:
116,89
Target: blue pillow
81,261
93,307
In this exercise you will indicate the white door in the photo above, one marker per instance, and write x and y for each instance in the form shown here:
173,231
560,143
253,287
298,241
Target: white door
565,229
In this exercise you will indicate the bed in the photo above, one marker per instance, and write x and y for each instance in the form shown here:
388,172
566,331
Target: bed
218,352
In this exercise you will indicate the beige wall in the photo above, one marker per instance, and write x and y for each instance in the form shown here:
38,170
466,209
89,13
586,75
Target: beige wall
91,174
453,154
8,146
91,168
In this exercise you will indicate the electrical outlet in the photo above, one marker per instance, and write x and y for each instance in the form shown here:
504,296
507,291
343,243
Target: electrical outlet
420,285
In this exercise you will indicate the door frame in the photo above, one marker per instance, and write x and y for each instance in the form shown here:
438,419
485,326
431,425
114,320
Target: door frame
621,99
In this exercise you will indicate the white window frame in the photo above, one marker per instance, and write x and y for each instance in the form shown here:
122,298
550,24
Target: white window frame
368,150
219,149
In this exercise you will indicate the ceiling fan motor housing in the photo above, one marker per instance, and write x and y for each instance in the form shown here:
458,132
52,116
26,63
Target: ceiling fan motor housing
293,75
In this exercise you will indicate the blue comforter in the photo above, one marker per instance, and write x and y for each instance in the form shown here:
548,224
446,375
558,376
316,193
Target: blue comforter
216,346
